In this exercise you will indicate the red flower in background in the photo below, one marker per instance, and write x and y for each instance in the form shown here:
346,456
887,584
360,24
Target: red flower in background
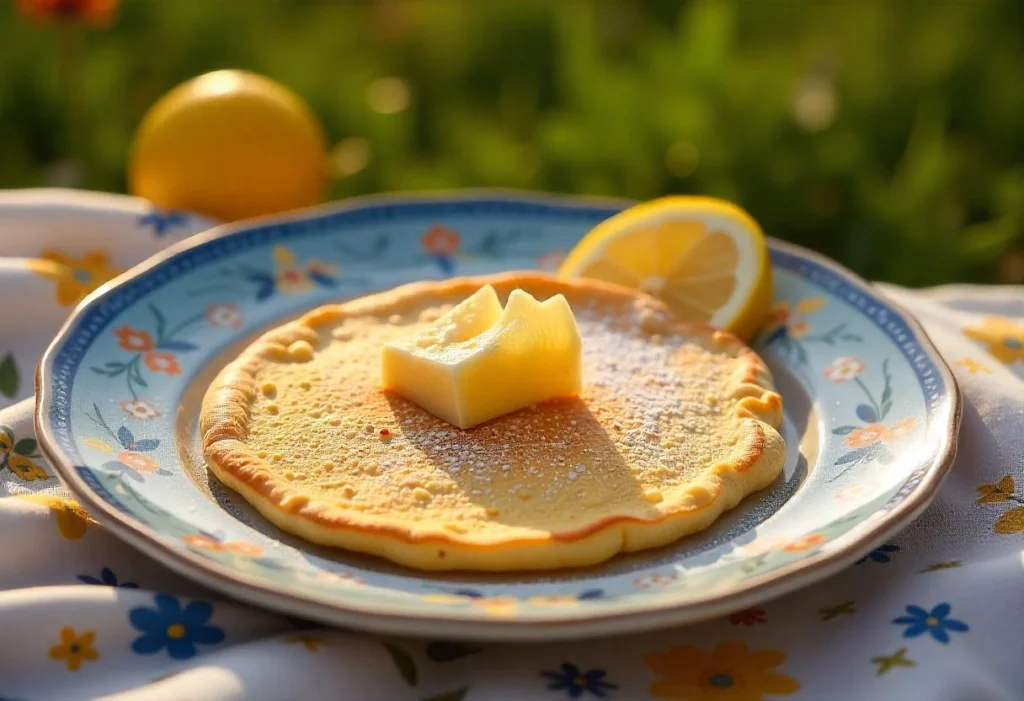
98,13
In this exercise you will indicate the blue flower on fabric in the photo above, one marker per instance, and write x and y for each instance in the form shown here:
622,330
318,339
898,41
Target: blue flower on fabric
107,578
883,553
575,682
936,622
162,222
172,627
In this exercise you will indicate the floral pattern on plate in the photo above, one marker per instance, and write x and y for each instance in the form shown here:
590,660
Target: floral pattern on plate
886,409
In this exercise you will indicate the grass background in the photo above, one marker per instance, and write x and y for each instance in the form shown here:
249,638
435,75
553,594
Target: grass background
889,135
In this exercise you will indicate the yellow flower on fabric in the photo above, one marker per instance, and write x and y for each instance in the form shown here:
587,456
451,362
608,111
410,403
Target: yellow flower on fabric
19,456
310,642
1004,339
72,519
944,565
887,663
730,672
847,608
26,469
1000,491
973,366
1010,523
75,277
74,648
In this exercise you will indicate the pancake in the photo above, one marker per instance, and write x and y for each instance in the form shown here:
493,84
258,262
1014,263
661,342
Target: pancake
676,423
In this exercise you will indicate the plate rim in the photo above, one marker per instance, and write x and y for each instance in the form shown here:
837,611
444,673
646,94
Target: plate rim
637,617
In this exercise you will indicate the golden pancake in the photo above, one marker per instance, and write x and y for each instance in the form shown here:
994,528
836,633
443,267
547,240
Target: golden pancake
676,423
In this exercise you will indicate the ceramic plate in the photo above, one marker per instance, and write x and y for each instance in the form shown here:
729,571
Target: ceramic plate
871,420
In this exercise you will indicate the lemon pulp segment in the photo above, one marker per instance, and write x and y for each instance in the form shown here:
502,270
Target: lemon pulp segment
706,259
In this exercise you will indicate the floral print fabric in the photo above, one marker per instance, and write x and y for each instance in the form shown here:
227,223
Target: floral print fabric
931,613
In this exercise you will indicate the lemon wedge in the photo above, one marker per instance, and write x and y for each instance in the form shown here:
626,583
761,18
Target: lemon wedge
705,258
479,361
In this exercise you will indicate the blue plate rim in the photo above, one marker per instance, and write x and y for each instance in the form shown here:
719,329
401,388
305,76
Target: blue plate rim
638,616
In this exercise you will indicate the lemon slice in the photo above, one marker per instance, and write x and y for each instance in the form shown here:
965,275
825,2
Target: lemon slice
705,258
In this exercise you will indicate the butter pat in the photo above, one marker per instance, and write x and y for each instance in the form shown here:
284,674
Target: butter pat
479,361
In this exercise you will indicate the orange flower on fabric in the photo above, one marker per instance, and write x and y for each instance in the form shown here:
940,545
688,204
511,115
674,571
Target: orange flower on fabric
74,648
75,277
72,519
133,340
160,361
731,672
1004,338
441,241
138,461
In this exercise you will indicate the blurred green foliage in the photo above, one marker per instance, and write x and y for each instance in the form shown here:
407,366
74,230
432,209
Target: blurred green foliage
887,134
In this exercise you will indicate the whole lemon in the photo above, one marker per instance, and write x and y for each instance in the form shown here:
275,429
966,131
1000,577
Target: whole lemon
229,144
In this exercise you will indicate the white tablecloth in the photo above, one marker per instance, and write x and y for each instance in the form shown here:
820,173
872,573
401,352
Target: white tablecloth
937,613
